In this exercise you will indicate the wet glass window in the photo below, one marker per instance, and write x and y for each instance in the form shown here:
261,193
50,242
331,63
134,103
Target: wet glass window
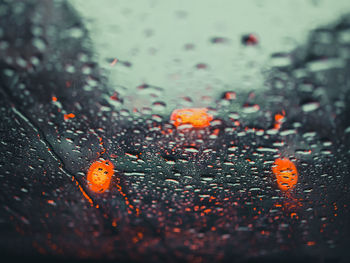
175,131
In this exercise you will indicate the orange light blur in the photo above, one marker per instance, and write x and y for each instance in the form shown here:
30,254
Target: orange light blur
278,120
286,174
197,117
68,116
99,176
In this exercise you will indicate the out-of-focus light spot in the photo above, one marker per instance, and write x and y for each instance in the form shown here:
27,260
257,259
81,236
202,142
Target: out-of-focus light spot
54,98
294,215
201,66
69,116
113,62
197,117
279,117
286,174
51,202
311,243
278,120
99,176
250,40
114,96
229,95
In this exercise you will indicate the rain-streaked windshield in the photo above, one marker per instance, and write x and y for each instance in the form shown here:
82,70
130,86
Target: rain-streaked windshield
175,131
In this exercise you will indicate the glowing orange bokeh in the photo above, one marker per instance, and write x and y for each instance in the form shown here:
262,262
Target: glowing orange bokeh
279,120
286,174
99,176
197,117
69,116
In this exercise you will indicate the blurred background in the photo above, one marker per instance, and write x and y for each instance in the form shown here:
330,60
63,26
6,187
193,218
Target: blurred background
194,48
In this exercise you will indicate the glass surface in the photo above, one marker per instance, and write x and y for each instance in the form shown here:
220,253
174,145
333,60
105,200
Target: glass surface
175,131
